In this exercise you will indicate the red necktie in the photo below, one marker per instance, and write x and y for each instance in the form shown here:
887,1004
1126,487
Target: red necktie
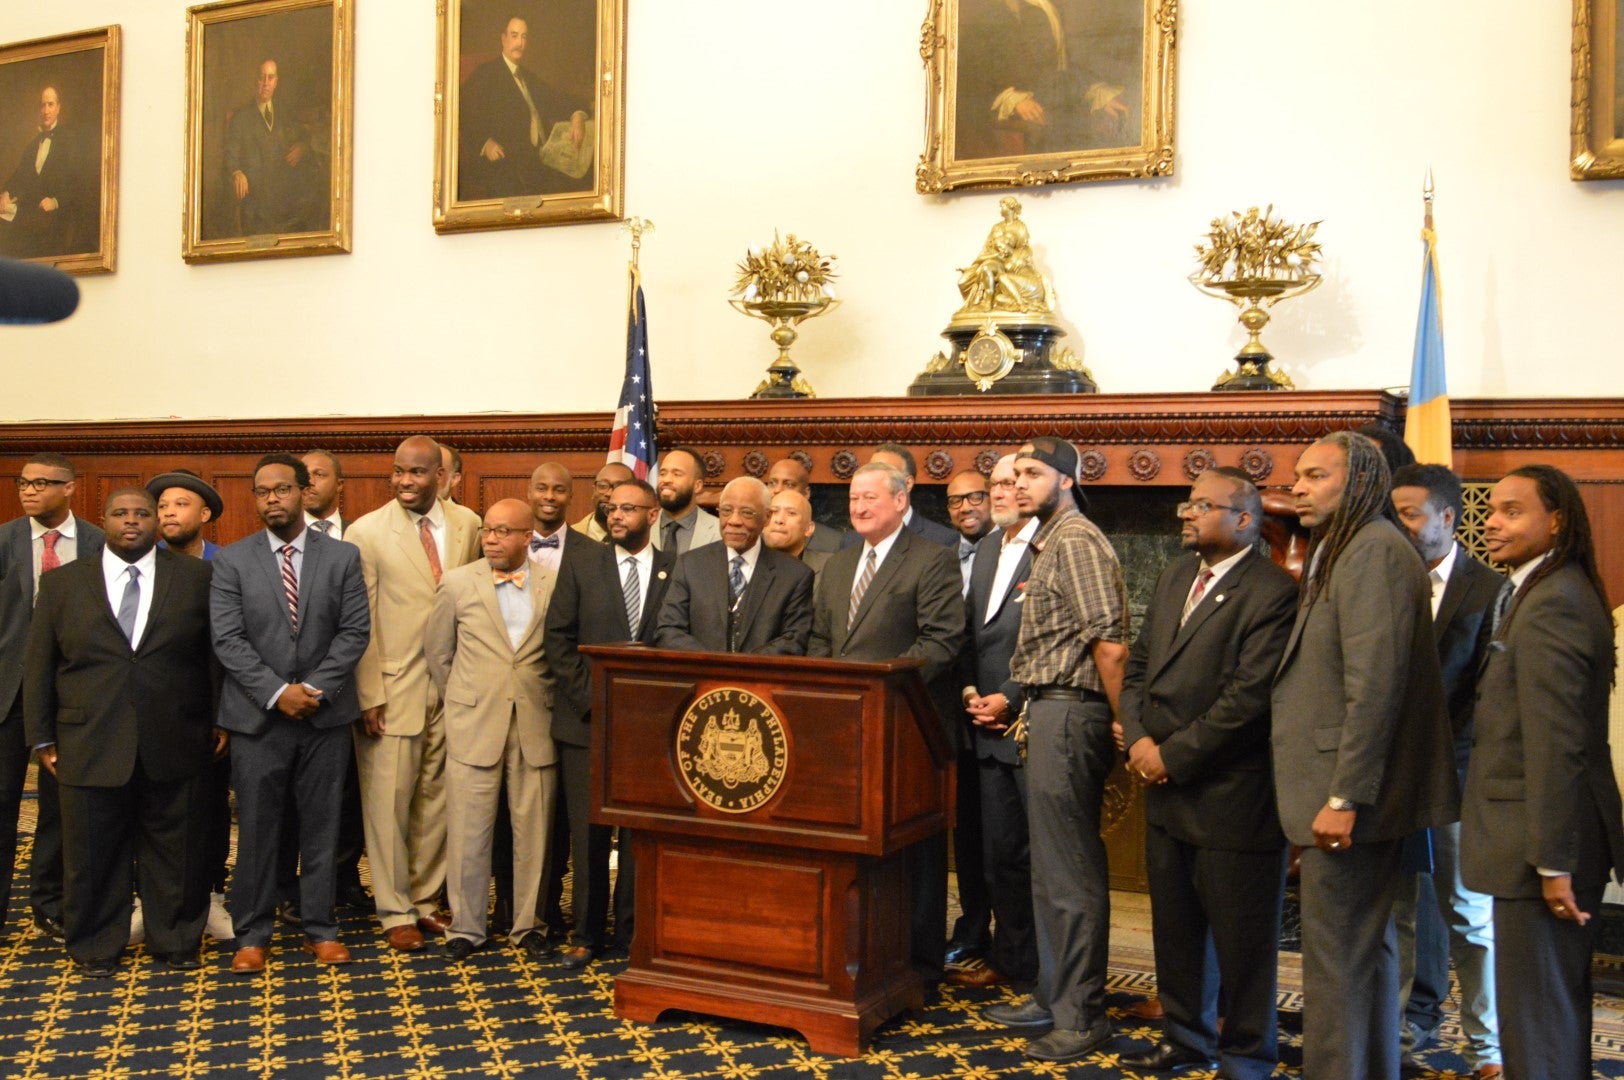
1196,593
48,559
427,535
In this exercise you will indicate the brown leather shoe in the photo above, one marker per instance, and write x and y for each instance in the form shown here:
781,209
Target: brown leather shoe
1489,1072
1149,1009
327,952
978,975
404,938
435,922
248,960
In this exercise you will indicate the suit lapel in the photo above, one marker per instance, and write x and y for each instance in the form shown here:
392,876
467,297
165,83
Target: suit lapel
411,542
882,576
309,567
755,592
538,605
485,589
655,596
1454,593
456,541
1173,636
269,563
160,596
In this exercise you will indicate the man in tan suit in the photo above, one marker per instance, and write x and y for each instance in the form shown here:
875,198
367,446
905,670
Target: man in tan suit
484,651
400,745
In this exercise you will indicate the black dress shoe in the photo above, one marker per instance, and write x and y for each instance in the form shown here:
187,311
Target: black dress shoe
575,958
1063,1044
536,946
960,951
458,949
51,928
96,969
1165,1055
1025,1013
184,960
288,912
356,898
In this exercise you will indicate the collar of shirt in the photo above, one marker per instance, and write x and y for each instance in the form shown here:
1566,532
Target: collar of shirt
436,516
1219,569
113,569
752,555
68,528
1045,530
687,521
1446,566
558,532
645,562
513,69
907,516
1023,535
1522,573
297,543
881,549
334,517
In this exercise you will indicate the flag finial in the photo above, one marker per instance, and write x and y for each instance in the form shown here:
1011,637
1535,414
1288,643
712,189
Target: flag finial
637,227
1426,195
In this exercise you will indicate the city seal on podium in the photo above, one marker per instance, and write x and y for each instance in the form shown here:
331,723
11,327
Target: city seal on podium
731,750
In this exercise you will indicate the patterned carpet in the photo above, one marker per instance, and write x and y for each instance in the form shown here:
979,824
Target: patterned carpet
393,1015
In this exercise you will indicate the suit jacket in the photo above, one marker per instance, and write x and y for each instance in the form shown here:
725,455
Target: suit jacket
484,680
281,197
71,176
586,609
918,523
400,593
106,707
492,107
707,530
1461,631
815,561
990,645
1358,702
913,607
774,615
1540,790
825,540
260,648
17,596
1201,692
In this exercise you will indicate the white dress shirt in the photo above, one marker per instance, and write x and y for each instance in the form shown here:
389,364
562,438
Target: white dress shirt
550,557
1009,557
1218,570
67,544
1438,576
116,576
645,572
436,516
518,606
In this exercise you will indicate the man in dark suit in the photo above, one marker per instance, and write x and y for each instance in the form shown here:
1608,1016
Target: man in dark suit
739,595
584,611
1195,721
900,458
45,537
1541,827
118,697
291,620
992,700
1428,502
507,114
895,595
1363,754
270,166
49,205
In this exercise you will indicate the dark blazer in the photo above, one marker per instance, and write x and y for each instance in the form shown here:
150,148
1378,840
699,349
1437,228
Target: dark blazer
825,539
71,176
774,616
1201,693
17,596
492,107
1358,704
105,708
988,646
257,644
1540,790
913,607
281,197
1461,631
920,524
586,609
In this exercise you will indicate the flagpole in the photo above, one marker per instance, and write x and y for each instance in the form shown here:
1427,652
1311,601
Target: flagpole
1426,197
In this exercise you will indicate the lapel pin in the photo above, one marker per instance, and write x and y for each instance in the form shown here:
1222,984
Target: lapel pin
661,575
1219,598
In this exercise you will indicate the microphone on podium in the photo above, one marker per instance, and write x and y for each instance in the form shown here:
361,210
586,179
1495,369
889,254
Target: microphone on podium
30,293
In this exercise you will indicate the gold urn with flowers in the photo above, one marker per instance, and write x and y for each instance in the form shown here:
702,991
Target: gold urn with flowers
785,284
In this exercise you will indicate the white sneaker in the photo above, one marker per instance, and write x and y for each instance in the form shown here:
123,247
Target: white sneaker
219,926
138,926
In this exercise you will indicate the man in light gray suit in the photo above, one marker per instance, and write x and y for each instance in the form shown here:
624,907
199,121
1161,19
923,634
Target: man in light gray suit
290,619
1363,753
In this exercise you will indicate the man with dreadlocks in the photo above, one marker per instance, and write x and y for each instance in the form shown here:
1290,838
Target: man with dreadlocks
1362,750
1541,825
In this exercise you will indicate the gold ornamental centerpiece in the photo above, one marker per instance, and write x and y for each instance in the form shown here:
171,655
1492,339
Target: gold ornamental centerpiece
1254,260
784,285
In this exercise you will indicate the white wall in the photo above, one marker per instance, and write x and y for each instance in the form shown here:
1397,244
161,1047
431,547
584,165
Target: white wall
1330,111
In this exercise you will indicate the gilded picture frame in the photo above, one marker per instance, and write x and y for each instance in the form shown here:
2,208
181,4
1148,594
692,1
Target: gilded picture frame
269,115
59,126
1030,92
1598,91
529,113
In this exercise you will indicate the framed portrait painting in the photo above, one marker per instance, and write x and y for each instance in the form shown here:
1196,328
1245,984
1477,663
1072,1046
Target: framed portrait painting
1598,91
1024,92
59,107
269,110
530,120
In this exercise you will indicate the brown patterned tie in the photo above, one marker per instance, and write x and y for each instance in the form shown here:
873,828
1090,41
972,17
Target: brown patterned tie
863,581
426,533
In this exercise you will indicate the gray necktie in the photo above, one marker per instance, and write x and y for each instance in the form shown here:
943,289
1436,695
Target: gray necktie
631,590
1502,605
668,537
128,605
323,525
867,576
735,579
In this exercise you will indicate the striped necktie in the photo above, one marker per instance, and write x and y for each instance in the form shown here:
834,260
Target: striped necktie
1196,593
290,584
863,580
631,590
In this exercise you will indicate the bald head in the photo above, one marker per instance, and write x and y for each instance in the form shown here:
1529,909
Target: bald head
789,475
789,523
550,489
414,479
505,537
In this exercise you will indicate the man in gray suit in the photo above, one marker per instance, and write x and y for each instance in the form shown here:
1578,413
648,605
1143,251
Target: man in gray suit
1363,754
46,536
897,594
1195,720
290,618
1541,827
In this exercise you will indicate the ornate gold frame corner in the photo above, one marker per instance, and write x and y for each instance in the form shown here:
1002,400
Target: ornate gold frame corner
1598,149
334,240
605,202
104,260
941,170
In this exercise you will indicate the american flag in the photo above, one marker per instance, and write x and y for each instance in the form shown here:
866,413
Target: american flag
632,442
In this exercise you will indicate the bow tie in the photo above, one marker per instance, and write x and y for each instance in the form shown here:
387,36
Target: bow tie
515,576
966,549
539,542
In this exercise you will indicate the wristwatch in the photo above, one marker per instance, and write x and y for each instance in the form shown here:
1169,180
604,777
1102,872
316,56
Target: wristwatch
1336,802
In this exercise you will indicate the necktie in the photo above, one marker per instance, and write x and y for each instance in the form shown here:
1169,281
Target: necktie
1196,593
668,537
863,580
1502,605
128,604
967,555
538,542
735,579
515,576
266,113
48,559
631,590
535,117
323,526
290,584
426,533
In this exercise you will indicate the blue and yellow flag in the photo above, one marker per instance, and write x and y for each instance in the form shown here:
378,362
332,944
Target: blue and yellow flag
1426,422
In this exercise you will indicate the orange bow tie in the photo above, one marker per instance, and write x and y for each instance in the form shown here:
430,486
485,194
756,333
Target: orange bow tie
515,576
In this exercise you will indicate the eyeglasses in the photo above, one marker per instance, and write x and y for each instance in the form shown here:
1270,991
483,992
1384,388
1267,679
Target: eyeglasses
501,532
281,491
625,508
998,484
604,485
974,498
1205,506
39,483
743,513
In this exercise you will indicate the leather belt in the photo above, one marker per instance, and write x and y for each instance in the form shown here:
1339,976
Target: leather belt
1063,693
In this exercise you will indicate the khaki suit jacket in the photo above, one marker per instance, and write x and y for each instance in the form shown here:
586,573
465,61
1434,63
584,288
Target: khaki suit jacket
484,681
400,593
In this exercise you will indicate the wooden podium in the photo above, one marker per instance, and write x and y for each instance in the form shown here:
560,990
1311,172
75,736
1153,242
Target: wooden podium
770,799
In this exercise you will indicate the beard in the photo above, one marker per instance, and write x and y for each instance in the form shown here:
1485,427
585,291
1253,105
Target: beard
1003,519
